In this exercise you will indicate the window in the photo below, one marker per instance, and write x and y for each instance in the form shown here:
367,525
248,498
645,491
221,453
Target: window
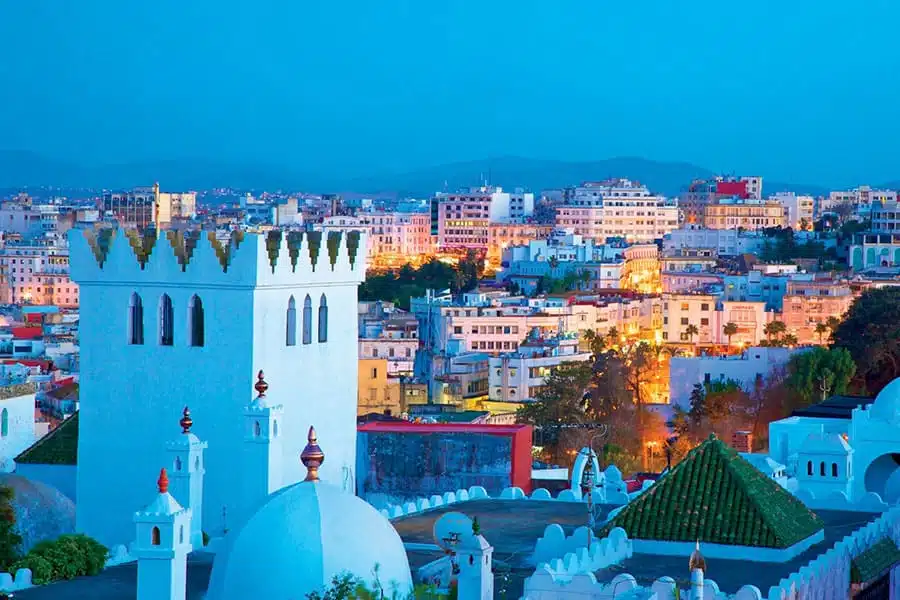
822,469
374,352
323,320
834,470
307,320
291,326
704,321
257,430
154,536
181,534
135,321
704,307
177,463
684,306
375,373
195,312
408,352
391,352
809,468
684,320
166,326
4,423
275,429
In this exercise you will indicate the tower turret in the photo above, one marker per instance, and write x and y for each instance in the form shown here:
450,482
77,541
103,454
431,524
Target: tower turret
263,450
162,545
476,573
187,470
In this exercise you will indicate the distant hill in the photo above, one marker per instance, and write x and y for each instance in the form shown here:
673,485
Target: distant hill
22,169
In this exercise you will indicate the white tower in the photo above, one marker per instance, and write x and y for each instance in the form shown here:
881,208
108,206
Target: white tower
162,545
186,480
263,451
188,318
476,576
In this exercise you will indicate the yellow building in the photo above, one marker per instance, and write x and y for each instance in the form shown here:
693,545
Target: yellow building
734,213
376,392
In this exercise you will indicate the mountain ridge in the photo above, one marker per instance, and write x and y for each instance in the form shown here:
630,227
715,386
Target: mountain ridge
20,169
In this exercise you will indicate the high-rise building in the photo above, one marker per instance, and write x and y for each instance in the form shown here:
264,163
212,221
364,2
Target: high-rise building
462,220
146,206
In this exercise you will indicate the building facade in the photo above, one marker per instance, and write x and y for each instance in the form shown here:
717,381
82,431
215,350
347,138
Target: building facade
735,213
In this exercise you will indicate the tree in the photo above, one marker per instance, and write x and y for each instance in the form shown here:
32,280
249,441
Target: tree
773,329
790,340
814,375
821,330
729,330
833,323
690,331
870,331
10,540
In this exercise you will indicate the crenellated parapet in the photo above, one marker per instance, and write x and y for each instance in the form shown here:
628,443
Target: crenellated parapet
241,259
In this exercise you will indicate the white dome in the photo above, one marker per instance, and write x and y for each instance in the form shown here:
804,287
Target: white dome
302,537
887,402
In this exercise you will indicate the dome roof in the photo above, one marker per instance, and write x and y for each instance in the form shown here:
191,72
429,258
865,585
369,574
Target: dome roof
303,536
887,402
42,512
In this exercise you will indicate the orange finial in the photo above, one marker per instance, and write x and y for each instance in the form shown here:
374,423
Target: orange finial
312,456
163,481
261,385
186,420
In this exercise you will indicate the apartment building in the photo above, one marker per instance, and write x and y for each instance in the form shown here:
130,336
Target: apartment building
400,353
641,269
142,207
702,192
36,273
520,376
809,303
860,199
504,235
462,220
398,234
680,311
22,217
617,209
735,213
799,210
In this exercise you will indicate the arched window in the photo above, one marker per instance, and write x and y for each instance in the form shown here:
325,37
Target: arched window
274,428
307,320
4,423
181,534
197,464
822,469
809,468
291,327
135,320
154,537
256,430
195,312
834,471
323,320
166,318
177,463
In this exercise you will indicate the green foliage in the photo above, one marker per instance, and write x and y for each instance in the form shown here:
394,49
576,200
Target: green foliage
401,285
66,557
870,331
817,374
781,247
345,586
205,538
10,540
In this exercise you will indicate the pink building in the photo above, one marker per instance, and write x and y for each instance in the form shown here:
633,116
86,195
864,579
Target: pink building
808,303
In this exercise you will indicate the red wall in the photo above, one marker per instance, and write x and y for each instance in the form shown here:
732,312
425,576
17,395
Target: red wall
521,441
732,188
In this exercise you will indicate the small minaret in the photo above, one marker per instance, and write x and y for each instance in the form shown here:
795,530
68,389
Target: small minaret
162,545
187,470
697,566
476,576
263,450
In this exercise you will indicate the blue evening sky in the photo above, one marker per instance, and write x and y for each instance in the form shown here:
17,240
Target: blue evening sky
797,90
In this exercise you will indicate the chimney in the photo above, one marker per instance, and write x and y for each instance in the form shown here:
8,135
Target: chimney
742,441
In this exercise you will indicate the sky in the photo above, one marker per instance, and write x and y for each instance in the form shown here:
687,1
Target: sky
798,91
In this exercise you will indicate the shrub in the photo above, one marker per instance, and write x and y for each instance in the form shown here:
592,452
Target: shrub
41,569
67,557
205,538
10,540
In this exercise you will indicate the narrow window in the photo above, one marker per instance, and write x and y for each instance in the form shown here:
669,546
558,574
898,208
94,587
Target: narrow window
256,430
323,320
809,468
822,469
177,463
135,320
4,423
154,536
834,472
291,327
195,308
166,326
181,534
274,429
307,320
197,464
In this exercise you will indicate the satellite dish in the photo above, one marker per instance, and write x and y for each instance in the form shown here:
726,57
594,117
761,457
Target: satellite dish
450,529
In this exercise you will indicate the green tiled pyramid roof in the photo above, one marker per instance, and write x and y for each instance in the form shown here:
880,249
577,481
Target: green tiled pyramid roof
874,561
715,496
59,447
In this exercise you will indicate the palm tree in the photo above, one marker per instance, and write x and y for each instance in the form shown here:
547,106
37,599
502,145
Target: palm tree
833,323
774,329
690,331
613,335
729,330
821,329
789,340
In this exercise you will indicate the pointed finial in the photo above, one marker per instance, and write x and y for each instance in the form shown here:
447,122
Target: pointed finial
312,456
261,385
697,561
163,481
186,420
